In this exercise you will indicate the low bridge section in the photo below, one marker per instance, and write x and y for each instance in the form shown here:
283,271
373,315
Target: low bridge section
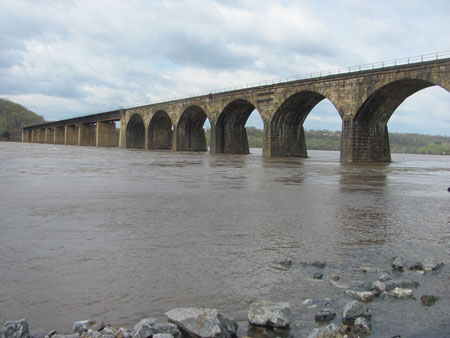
364,99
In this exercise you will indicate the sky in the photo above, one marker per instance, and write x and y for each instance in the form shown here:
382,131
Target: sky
68,58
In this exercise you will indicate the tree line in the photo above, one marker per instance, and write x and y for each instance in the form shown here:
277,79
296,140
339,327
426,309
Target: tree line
331,140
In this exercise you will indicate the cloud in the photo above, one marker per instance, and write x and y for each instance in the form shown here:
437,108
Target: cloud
88,56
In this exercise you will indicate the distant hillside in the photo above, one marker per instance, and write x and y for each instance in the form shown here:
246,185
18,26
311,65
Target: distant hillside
13,115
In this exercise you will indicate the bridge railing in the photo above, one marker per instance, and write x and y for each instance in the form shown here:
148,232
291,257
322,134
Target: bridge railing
315,75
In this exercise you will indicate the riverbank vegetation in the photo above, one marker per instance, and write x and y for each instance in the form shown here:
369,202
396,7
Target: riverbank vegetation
13,115
331,140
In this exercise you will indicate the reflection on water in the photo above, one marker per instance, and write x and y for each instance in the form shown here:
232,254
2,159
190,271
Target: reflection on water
122,234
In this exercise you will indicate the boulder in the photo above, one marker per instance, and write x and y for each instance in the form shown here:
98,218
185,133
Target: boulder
328,331
401,293
404,284
354,310
319,265
364,296
144,328
325,316
15,329
414,266
317,275
384,277
431,264
199,322
428,300
398,264
379,287
362,326
270,314
167,328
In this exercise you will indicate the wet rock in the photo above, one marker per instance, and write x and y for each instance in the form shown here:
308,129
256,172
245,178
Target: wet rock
364,296
362,326
403,283
325,316
198,322
384,277
329,331
167,328
269,314
413,266
163,335
307,301
287,263
428,300
144,328
51,333
81,326
334,277
354,310
431,264
379,287
318,264
317,275
15,329
398,264
401,293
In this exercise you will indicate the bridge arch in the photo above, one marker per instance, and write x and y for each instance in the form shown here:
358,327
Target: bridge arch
229,135
160,131
190,132
287,136
135,135
369,124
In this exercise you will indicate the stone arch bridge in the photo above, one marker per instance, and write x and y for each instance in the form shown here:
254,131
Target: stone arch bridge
365,100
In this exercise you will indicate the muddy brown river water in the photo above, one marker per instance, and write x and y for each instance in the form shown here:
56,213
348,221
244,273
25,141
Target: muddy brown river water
120,235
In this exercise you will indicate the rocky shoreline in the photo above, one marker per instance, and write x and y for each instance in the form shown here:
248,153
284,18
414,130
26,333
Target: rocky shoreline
272,319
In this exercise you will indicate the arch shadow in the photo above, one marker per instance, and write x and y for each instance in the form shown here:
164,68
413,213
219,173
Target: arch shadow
135,137
160,131
190,132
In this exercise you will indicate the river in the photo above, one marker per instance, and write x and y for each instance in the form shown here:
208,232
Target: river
120,234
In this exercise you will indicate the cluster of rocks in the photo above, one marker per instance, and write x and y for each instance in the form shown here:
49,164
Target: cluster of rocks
182,322
356,317
201,322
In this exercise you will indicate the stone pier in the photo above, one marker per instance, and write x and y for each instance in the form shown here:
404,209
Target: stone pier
71,135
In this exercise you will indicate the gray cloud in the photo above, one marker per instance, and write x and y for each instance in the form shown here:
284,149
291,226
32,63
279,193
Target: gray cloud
85,55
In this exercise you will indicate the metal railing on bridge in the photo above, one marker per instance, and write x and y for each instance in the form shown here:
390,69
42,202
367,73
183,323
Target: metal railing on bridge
315,75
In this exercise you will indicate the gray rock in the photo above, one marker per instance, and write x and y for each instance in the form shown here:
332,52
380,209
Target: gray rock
428,300
384,277
364,296
413,266
404,284
398,263
317,275
167,328
325,315
51,333
163,335
328,331
431,264
81,326
96,325
198,322
354,310
401,293
15,329
379,287
319,265
269,314
362,326
144,328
